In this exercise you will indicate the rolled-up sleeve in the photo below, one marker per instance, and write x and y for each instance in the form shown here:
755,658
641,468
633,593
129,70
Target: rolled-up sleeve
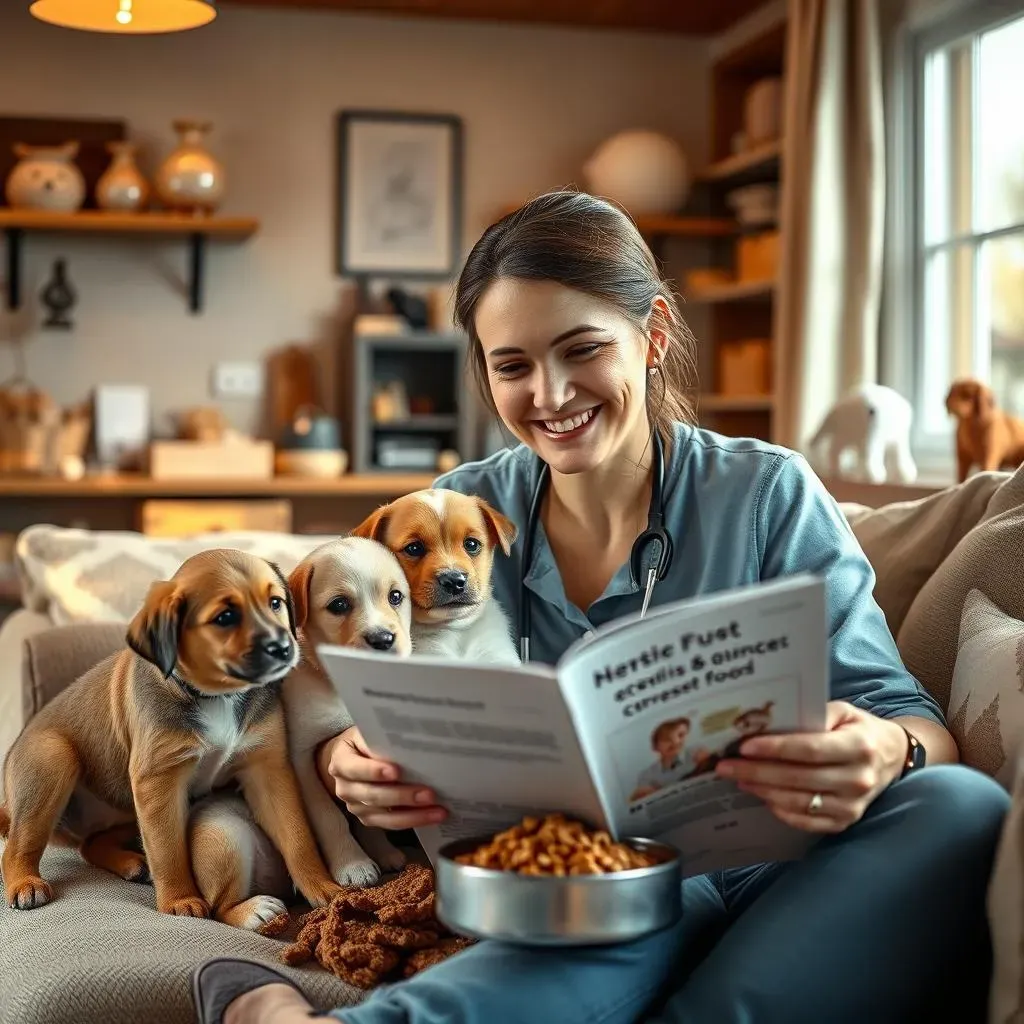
800,528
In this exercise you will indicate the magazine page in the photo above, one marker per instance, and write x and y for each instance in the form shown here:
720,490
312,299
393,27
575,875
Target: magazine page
495,743
658,701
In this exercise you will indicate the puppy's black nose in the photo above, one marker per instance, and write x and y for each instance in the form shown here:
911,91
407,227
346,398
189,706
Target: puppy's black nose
380,639
279,649
452,581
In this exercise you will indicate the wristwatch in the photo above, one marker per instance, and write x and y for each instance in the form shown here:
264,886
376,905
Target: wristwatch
916,755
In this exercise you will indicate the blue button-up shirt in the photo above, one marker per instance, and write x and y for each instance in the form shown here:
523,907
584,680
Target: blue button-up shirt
738,510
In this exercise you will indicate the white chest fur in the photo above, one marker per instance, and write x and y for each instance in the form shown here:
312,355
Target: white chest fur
223,740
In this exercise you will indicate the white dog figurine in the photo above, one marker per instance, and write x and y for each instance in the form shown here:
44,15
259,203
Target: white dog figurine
874,421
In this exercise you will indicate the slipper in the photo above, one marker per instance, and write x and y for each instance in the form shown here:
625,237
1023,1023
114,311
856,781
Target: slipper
217,982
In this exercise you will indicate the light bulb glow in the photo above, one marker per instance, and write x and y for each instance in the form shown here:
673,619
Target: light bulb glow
126,16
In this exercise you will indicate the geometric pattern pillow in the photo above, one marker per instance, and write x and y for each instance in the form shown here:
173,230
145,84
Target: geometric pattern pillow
986,700
76,575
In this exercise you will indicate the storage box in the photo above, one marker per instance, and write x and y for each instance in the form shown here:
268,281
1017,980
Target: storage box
203,460
170,518
757,256
745,367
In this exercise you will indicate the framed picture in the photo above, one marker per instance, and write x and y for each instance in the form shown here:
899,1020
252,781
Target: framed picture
399,194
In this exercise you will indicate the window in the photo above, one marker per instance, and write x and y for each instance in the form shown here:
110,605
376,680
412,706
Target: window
967,218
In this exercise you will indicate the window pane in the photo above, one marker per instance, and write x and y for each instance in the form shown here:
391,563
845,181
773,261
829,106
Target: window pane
937,343
1000,319
947,134
999,199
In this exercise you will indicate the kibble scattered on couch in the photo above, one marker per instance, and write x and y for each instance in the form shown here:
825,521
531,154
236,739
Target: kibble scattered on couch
950,579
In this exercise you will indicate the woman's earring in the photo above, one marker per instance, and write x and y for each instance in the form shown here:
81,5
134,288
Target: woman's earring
652,371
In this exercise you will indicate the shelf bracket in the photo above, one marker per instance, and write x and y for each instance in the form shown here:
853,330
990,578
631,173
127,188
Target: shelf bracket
14,240
197,268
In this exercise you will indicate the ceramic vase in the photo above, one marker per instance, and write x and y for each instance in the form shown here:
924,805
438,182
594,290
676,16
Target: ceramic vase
191,180
46,178
122,186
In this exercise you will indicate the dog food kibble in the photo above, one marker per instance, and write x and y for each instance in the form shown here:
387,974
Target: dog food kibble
555,845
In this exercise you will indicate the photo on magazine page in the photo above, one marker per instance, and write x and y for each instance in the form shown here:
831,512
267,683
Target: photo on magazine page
687,744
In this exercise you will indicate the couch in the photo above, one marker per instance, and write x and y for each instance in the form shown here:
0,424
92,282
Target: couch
950,580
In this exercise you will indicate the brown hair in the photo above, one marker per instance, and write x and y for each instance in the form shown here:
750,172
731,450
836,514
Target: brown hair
592,246
666,727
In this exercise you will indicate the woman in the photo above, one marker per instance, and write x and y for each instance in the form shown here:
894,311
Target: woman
586,360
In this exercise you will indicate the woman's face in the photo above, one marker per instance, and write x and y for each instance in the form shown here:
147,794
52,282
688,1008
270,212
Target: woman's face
567,371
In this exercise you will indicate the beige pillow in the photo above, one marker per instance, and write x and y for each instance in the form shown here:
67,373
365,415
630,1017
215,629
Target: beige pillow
1006,914
986,698
990,557
907,540
102,576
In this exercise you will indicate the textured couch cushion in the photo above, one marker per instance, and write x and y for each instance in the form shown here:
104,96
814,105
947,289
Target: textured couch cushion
100,953
986,700
58,656
989,557
102,576
906,541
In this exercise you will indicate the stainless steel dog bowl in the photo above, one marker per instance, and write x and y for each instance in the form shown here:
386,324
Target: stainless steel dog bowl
548,910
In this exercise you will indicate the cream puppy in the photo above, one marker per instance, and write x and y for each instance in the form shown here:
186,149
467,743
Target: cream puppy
350,592
446,543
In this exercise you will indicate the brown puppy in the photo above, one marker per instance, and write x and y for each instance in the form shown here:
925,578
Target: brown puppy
446,542
192,704
985,436
349,592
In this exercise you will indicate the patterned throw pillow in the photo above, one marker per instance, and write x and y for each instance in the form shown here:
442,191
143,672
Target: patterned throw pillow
986,700
103,576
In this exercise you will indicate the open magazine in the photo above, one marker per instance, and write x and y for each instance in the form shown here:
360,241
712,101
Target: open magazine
623,732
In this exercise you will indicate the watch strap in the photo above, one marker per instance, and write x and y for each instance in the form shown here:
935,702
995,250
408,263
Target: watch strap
915,753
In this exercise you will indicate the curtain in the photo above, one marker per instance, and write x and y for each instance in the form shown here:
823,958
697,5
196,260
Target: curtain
832,210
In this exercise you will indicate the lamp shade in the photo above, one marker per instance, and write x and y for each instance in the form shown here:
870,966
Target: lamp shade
125,16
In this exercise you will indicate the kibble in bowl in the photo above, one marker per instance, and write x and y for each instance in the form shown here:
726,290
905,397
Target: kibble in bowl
553,881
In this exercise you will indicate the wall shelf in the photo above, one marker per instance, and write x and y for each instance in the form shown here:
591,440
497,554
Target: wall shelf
197,230
739,291
125,485
758,164
687,227
735,403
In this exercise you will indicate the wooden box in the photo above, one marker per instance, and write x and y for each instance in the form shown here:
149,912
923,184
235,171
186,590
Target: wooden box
159,518
204,460
757,256
745,367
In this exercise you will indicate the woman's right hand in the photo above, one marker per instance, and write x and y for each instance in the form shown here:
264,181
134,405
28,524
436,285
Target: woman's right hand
371,789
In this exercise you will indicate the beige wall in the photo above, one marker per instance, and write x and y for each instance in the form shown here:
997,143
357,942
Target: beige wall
534,101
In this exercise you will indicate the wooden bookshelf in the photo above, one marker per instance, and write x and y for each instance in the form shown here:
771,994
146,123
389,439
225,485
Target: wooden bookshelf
735,403
757,164
738,291
197,230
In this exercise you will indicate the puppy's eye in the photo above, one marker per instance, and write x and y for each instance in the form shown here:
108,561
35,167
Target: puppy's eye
395,598
276,604
340,606
415,549
228,617
472,545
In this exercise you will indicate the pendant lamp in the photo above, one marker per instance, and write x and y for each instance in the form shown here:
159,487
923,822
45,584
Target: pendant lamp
125,16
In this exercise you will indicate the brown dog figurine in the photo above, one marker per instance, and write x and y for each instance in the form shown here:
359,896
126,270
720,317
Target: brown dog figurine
191,704
986,437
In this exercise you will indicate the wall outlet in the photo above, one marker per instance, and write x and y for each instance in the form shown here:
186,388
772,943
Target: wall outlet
237,380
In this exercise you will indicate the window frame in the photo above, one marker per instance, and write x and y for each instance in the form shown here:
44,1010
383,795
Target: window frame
904,345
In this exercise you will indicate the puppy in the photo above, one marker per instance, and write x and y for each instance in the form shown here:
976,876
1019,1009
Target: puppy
445,542
985,436
191,704
350,592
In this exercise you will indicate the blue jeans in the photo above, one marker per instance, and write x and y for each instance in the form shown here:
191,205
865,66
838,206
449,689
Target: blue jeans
883,923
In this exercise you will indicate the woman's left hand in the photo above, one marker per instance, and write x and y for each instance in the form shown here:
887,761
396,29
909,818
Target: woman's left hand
849,764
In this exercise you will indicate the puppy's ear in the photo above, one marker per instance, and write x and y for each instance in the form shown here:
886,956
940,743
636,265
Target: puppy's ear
289,602
984,400
502,530
298,587
154,631
374,525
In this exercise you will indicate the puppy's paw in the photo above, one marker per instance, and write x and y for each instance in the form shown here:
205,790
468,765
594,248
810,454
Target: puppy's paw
360,872
29,893
256,913
380,850
132,867
186,906
320,892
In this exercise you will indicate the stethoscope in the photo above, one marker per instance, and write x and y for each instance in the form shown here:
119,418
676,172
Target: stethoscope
649,558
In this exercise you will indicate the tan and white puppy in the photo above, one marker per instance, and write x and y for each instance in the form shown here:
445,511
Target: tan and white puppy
349,592
190,705
446,542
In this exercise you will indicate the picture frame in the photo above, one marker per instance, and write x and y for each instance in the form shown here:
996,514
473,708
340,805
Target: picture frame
399,204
